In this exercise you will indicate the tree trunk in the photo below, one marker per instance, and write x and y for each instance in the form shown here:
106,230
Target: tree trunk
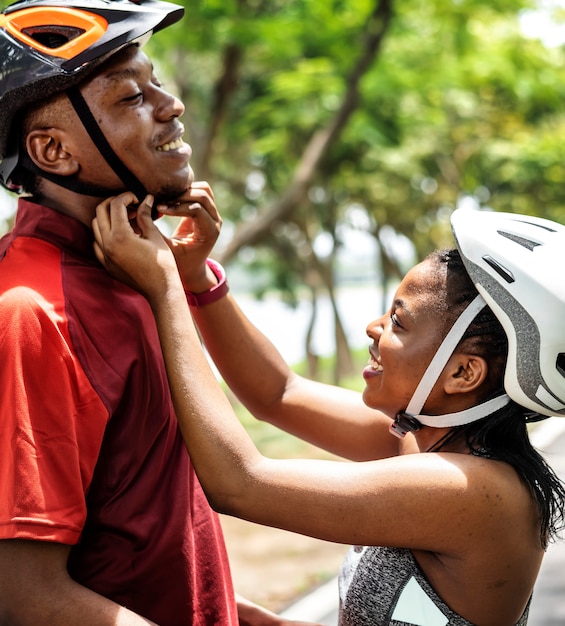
252,232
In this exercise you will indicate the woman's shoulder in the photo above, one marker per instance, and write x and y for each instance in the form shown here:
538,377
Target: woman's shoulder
492,491
465,500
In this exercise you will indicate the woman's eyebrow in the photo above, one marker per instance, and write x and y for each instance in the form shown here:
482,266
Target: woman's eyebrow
399,303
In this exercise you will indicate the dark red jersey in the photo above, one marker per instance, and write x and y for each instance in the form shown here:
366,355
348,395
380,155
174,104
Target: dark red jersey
90,451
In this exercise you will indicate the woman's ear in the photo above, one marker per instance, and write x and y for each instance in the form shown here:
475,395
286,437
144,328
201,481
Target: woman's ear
50,150
464,373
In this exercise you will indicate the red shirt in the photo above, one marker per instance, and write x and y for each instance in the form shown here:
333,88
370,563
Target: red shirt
90,451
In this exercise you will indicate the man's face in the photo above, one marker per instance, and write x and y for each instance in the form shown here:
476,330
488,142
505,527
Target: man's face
140,121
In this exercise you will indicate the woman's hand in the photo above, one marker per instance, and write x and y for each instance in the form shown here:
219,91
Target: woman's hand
133,251
196,234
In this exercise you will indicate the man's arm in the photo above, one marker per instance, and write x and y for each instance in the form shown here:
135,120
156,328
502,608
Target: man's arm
251,614
36,590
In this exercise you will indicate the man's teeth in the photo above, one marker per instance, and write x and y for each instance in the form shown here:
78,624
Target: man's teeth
173,145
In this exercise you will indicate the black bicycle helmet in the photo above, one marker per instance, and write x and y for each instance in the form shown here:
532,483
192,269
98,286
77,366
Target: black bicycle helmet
50,46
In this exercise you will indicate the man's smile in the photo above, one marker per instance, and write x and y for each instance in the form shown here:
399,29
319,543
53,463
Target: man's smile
172,145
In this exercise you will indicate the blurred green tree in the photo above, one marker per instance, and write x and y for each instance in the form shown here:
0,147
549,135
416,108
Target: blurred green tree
305,113
299,110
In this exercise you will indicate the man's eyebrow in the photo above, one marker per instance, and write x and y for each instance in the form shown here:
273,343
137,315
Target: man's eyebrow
125,73
118,75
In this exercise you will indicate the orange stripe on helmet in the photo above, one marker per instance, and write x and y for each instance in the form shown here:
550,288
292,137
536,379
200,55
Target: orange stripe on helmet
91,28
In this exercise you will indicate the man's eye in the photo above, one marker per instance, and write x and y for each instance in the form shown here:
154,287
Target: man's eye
134,97
394,320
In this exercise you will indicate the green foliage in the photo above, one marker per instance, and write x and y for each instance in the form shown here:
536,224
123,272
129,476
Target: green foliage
458,103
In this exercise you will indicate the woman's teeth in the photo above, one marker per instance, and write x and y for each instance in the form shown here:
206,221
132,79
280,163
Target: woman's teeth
375,365
173,145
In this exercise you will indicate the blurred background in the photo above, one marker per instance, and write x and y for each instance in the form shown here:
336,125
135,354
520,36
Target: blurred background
338,136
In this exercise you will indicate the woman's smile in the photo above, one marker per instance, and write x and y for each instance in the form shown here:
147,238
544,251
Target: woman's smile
373,368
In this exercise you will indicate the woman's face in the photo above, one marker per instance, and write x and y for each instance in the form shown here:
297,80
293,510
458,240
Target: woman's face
404,342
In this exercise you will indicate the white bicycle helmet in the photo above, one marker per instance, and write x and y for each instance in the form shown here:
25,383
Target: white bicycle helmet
514,261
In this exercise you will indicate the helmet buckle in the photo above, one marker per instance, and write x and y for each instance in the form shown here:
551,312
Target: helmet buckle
403,424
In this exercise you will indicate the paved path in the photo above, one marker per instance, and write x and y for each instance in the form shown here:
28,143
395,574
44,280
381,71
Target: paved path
548,604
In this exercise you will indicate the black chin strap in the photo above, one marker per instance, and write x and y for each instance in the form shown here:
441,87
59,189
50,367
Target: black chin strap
68,182
131,182
404,424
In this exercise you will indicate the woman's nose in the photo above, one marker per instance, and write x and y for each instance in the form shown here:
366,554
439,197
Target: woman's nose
375,328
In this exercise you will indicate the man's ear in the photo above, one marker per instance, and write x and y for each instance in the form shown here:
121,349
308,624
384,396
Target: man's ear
464,373
51,151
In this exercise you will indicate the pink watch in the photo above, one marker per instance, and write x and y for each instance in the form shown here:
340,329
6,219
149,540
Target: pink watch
214,293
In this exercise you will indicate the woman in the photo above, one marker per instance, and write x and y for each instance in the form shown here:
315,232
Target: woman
458,509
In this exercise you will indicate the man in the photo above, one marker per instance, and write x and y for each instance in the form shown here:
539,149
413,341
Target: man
102,519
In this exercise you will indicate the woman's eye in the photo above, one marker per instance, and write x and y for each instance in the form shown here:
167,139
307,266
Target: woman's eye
394,320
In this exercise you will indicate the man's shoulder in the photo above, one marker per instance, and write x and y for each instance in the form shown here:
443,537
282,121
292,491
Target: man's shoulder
28,262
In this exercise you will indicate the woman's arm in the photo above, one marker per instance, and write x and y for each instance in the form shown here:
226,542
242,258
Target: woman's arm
330,417
372,503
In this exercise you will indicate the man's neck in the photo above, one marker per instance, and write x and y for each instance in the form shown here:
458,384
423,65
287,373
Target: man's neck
81,207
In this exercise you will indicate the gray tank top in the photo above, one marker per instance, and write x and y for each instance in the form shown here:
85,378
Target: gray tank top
386,587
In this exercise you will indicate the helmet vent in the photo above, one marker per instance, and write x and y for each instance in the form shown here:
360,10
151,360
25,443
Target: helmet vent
499,268
53,36
536,225
522,241
560,364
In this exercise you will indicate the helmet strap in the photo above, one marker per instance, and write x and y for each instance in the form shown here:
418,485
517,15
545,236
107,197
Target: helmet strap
68,182
411,420
129,179
131,182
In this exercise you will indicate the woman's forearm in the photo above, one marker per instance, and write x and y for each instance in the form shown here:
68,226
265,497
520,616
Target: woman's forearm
330,417
220,449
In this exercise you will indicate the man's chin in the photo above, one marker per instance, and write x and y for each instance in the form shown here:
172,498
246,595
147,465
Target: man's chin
168,196
172,192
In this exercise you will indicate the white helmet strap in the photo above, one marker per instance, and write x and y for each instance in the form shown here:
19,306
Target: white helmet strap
411,419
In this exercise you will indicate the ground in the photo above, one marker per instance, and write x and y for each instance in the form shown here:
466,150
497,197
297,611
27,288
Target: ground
273,567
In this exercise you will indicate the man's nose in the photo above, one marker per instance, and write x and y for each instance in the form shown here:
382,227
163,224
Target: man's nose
168,106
